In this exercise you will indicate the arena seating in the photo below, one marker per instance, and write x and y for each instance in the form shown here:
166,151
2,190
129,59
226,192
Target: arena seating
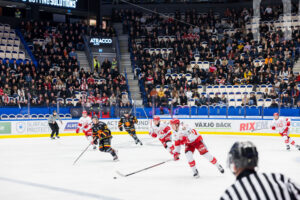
216,57
58,78
10,44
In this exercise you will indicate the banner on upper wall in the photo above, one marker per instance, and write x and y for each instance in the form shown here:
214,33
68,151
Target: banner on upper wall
204,126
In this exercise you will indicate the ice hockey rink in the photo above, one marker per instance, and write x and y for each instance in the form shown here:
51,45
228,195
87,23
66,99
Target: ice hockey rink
39,168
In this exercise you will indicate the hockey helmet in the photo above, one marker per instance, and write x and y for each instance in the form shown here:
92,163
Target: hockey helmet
174,121
126,112
242,155
95,117
276,116
156,118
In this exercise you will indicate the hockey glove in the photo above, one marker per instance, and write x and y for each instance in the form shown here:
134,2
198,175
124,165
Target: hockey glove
176,156
154,135
273,128
121,128
77,130
288,123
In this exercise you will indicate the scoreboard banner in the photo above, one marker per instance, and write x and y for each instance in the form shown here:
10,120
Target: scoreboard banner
57,3
40,128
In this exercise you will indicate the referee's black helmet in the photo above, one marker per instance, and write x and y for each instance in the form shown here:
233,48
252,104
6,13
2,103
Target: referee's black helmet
243,155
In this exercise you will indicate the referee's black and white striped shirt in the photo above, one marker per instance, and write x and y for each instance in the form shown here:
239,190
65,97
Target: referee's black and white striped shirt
262,186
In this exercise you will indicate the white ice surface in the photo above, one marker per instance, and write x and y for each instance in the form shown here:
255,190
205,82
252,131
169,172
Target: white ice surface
38,168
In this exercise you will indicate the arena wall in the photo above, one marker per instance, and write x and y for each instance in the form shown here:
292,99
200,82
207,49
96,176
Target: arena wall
236,126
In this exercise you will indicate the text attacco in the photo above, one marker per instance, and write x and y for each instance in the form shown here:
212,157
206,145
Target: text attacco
99,41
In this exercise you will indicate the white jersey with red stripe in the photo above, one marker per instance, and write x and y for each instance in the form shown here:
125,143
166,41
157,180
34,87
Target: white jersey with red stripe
85,123
184,135
281,124
162,130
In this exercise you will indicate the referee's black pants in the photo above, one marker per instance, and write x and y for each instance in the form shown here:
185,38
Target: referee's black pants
55,129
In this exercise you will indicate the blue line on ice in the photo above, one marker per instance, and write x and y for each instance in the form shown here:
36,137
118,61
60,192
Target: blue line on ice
59,189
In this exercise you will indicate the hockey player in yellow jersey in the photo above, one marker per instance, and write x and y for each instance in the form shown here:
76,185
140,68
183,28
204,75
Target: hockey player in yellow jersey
102,136
127,122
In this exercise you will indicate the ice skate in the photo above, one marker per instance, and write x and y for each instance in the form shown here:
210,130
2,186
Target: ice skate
196,174
116,158
221,169
137,141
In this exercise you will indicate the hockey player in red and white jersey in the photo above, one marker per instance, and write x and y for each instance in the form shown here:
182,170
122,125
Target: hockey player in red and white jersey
162,131
184,135
85,124
282,125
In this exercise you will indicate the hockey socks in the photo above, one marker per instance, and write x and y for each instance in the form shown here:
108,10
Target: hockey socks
194,169
136,139
213,161
290,142
113,153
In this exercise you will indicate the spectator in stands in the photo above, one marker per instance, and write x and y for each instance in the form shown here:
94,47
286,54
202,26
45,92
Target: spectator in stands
96,64
223,99
73,53
252,100
245,100
203,100
274,104
286,100
298,104
216,100
18,14
114,64
106,64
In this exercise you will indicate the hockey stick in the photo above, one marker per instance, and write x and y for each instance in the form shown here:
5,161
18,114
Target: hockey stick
259,129
83,152
138,171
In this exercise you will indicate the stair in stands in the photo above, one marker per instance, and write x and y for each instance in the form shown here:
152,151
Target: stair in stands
296,68
125,65
83,61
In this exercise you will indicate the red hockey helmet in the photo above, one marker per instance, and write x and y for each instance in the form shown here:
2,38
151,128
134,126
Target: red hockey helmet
174,121
276,114
156,118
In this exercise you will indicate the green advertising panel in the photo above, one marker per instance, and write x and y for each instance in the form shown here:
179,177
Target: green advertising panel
5,127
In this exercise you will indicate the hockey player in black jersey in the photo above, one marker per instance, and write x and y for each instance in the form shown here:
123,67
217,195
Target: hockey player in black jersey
102,136
127,121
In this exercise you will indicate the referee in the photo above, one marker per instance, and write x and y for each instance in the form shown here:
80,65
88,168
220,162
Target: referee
242,160
53,125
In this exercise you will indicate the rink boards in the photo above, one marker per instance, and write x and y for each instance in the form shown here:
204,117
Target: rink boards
237,126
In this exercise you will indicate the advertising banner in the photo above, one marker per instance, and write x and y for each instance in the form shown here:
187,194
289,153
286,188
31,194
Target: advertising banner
208,126
5,127
68,126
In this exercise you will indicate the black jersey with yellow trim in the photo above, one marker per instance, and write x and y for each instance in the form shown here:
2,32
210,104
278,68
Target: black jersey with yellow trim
128,122
101,130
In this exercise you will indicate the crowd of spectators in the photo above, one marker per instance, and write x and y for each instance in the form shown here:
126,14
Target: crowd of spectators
234,57
58,78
